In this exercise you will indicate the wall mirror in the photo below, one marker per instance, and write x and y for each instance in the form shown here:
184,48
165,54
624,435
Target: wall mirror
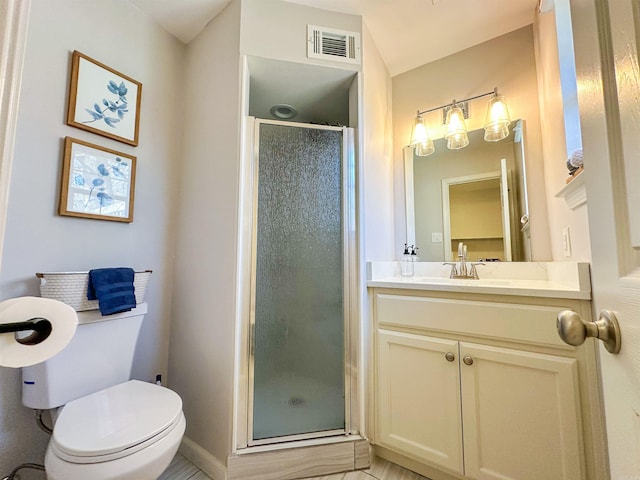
476,195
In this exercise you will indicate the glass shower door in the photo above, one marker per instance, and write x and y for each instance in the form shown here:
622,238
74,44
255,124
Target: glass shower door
298,351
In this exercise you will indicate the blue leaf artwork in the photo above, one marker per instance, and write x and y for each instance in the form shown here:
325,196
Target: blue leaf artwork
117,105
99,183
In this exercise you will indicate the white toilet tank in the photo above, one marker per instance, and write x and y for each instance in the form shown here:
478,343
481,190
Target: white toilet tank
99,356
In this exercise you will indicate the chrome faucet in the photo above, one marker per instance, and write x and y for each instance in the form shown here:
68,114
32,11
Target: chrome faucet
462,269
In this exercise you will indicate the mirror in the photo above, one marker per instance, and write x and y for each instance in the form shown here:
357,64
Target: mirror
476,195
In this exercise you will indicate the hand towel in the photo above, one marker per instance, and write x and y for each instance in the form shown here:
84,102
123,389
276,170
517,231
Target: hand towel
113,288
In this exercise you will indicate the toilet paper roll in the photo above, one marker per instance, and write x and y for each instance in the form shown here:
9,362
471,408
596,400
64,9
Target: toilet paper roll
63,321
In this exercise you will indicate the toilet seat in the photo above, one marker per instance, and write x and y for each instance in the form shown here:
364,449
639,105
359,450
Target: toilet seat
115,422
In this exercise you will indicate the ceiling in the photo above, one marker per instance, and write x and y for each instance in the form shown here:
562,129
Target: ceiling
408,33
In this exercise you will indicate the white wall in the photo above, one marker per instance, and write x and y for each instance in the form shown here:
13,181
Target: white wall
14,19
37,239
556,105
377,157
202,331
277,29
507,62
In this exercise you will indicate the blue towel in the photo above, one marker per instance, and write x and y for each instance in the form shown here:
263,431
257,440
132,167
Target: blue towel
113,288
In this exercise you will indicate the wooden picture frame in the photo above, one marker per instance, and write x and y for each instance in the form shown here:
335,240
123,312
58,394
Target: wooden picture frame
97,182
103,100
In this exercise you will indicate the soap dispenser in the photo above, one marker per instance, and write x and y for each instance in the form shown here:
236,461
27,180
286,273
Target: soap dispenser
406,265
414,256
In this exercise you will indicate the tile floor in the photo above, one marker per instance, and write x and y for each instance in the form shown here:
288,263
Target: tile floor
182,469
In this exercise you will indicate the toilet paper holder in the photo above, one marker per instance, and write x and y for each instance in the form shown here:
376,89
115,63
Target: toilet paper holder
41,328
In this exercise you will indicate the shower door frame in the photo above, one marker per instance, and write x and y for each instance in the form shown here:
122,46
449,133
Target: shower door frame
349,282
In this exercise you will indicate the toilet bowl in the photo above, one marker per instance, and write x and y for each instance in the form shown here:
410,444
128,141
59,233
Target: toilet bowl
106,426
127,432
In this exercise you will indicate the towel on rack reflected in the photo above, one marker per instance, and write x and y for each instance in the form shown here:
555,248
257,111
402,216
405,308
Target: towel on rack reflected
113,288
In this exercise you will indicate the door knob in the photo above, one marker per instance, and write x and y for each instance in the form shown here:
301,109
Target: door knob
468,360
574,330
450,356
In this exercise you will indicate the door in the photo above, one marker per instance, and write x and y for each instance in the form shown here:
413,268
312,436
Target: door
418,392
506,210
606,44
300,285
518,408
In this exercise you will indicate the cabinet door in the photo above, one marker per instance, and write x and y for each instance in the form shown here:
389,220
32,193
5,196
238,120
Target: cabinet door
520,414
418,398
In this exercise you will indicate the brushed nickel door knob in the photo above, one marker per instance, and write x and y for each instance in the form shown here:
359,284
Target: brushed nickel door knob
573,330
467,360
449,356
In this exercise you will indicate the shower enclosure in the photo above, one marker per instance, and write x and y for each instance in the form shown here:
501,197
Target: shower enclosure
302,276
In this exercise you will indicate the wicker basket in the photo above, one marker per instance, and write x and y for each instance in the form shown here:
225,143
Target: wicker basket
71,288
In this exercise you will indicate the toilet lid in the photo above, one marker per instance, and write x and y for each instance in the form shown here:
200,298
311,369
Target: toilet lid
115,419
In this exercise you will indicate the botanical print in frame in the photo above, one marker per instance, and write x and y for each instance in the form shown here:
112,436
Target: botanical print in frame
97,182
103,101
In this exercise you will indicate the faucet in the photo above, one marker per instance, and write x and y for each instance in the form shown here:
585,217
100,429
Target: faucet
462,269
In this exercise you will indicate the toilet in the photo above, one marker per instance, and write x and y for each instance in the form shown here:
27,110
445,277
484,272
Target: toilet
105,426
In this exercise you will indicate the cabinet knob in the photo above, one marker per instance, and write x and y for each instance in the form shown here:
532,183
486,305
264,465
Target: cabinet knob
467,360
449,356
574,330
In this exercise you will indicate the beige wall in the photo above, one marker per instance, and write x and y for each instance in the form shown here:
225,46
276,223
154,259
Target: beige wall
555,107
507,62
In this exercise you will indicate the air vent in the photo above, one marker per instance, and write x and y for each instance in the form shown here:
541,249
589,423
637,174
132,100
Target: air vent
332,44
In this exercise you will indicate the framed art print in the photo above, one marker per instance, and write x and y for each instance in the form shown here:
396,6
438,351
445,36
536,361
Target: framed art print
103,100
97,182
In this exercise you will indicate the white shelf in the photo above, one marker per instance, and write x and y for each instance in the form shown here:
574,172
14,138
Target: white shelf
574,192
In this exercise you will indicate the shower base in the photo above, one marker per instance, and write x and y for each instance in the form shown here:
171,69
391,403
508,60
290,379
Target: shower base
293,404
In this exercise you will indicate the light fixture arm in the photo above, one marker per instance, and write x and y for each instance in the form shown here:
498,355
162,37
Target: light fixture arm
493,92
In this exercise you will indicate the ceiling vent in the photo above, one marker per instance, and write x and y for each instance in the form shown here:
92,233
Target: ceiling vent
332,44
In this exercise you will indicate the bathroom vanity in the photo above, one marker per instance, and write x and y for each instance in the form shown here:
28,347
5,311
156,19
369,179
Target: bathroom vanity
471,379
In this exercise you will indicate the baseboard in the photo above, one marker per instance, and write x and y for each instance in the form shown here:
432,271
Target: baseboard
203,459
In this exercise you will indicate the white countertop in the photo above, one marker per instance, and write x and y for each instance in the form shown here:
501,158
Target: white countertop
532,279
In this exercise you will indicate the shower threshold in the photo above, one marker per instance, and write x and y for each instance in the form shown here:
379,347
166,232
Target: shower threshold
298,459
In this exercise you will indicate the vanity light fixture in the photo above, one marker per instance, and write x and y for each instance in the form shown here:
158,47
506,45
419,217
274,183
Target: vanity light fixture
496,125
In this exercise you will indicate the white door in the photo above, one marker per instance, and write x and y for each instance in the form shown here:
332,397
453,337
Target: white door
605,39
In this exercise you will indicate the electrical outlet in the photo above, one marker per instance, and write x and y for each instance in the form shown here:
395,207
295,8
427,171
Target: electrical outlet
436,237
566,242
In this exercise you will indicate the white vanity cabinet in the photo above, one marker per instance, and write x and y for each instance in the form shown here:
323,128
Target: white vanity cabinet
480,386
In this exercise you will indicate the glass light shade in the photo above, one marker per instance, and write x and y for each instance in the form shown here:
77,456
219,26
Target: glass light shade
458,141
496,133
496,125
456,129
424,149
420,138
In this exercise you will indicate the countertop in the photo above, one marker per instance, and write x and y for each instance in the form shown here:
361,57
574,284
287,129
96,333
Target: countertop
569,280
